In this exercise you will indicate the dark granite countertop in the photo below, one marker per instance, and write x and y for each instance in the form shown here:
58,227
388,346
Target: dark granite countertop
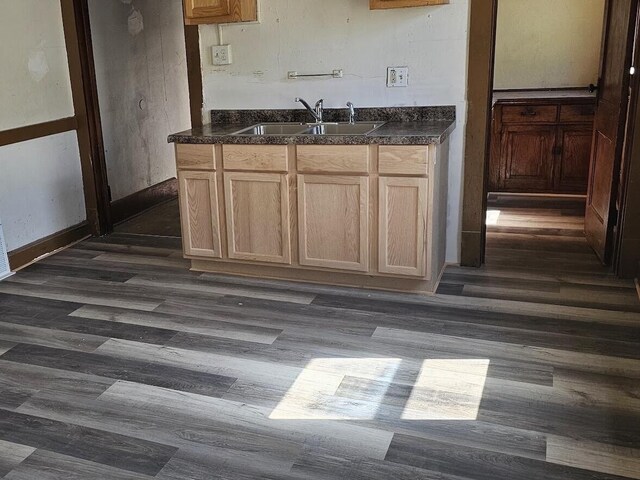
405,126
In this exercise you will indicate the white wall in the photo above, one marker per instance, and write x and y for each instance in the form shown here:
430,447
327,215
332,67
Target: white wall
143,93
41,189
548,43
34,75
312,36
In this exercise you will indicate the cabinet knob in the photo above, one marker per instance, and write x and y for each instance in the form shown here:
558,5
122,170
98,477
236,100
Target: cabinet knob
529,112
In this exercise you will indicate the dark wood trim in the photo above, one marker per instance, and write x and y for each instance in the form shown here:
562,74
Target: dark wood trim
39,130
77,32
627,256
194,74
555,89
22,256
476,157
143,200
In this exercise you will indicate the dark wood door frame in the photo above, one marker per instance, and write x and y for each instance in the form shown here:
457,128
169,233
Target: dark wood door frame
480,71
77,32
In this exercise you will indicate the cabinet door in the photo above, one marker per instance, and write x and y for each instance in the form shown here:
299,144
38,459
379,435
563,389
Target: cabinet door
257,208
402,226
333,216
219,11
199,214
572,164
527,158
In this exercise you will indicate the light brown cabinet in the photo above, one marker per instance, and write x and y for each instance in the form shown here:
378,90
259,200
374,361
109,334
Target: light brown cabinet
383,4
359,215
333,221
219,11
257,212
199,214
403,226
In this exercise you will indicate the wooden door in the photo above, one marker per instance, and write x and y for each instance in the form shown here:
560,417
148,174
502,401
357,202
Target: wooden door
402,226
257,211
199,214
333,216
608,136
527,158
572,161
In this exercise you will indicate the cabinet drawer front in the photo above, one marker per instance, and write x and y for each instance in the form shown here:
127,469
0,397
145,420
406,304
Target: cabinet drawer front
257,158
530,114
577,113
401,160
195,157
333,158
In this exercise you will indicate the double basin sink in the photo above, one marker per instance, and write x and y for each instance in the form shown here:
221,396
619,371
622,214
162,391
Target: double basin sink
358,128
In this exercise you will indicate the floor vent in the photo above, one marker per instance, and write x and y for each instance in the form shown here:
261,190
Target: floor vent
5,270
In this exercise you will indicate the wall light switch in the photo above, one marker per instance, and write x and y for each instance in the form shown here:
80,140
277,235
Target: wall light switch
221,54
397,76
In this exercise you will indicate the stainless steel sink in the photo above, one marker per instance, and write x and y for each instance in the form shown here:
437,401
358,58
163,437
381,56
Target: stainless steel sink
358,128
275,129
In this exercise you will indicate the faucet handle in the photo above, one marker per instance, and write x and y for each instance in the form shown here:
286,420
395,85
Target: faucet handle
352,112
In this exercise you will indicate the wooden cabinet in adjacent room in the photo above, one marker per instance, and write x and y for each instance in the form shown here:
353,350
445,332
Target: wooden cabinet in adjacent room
219,11
541,145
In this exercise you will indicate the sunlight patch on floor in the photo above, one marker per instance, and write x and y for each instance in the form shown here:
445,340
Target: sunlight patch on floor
447,390
368,388
492,217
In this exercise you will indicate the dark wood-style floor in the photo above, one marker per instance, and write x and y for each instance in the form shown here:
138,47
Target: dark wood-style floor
116,362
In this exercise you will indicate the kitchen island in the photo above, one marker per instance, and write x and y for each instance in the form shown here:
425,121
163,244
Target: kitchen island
365,210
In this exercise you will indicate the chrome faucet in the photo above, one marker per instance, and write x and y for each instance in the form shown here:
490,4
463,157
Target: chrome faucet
316,112
352,113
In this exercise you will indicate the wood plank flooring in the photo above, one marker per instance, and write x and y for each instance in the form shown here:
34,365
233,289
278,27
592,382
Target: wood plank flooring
117,362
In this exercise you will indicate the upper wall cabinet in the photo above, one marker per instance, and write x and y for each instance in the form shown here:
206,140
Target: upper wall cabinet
198,12
381,4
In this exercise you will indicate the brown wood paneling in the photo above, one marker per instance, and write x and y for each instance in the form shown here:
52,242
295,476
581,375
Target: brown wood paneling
385,4
138,202
24,255
479,87
194,73
31,132
582,113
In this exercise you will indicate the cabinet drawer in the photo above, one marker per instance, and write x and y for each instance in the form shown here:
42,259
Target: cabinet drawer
577,113
195,157
401,160
530,114
333,158
257,158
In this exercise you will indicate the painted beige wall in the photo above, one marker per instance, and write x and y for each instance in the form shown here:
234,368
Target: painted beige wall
548,43
34,73
41,190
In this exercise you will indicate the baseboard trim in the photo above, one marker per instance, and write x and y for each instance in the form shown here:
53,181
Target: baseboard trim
140,202
23,256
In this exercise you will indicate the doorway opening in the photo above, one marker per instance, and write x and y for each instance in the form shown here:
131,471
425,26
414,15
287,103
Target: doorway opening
556,128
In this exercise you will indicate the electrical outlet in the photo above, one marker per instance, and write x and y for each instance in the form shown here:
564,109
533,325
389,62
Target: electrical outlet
397,76
221,54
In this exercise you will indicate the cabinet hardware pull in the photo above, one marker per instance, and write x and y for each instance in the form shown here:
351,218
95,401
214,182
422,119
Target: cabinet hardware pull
529,113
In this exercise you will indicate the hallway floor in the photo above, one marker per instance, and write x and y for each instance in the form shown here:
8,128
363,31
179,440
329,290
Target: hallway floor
117,362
